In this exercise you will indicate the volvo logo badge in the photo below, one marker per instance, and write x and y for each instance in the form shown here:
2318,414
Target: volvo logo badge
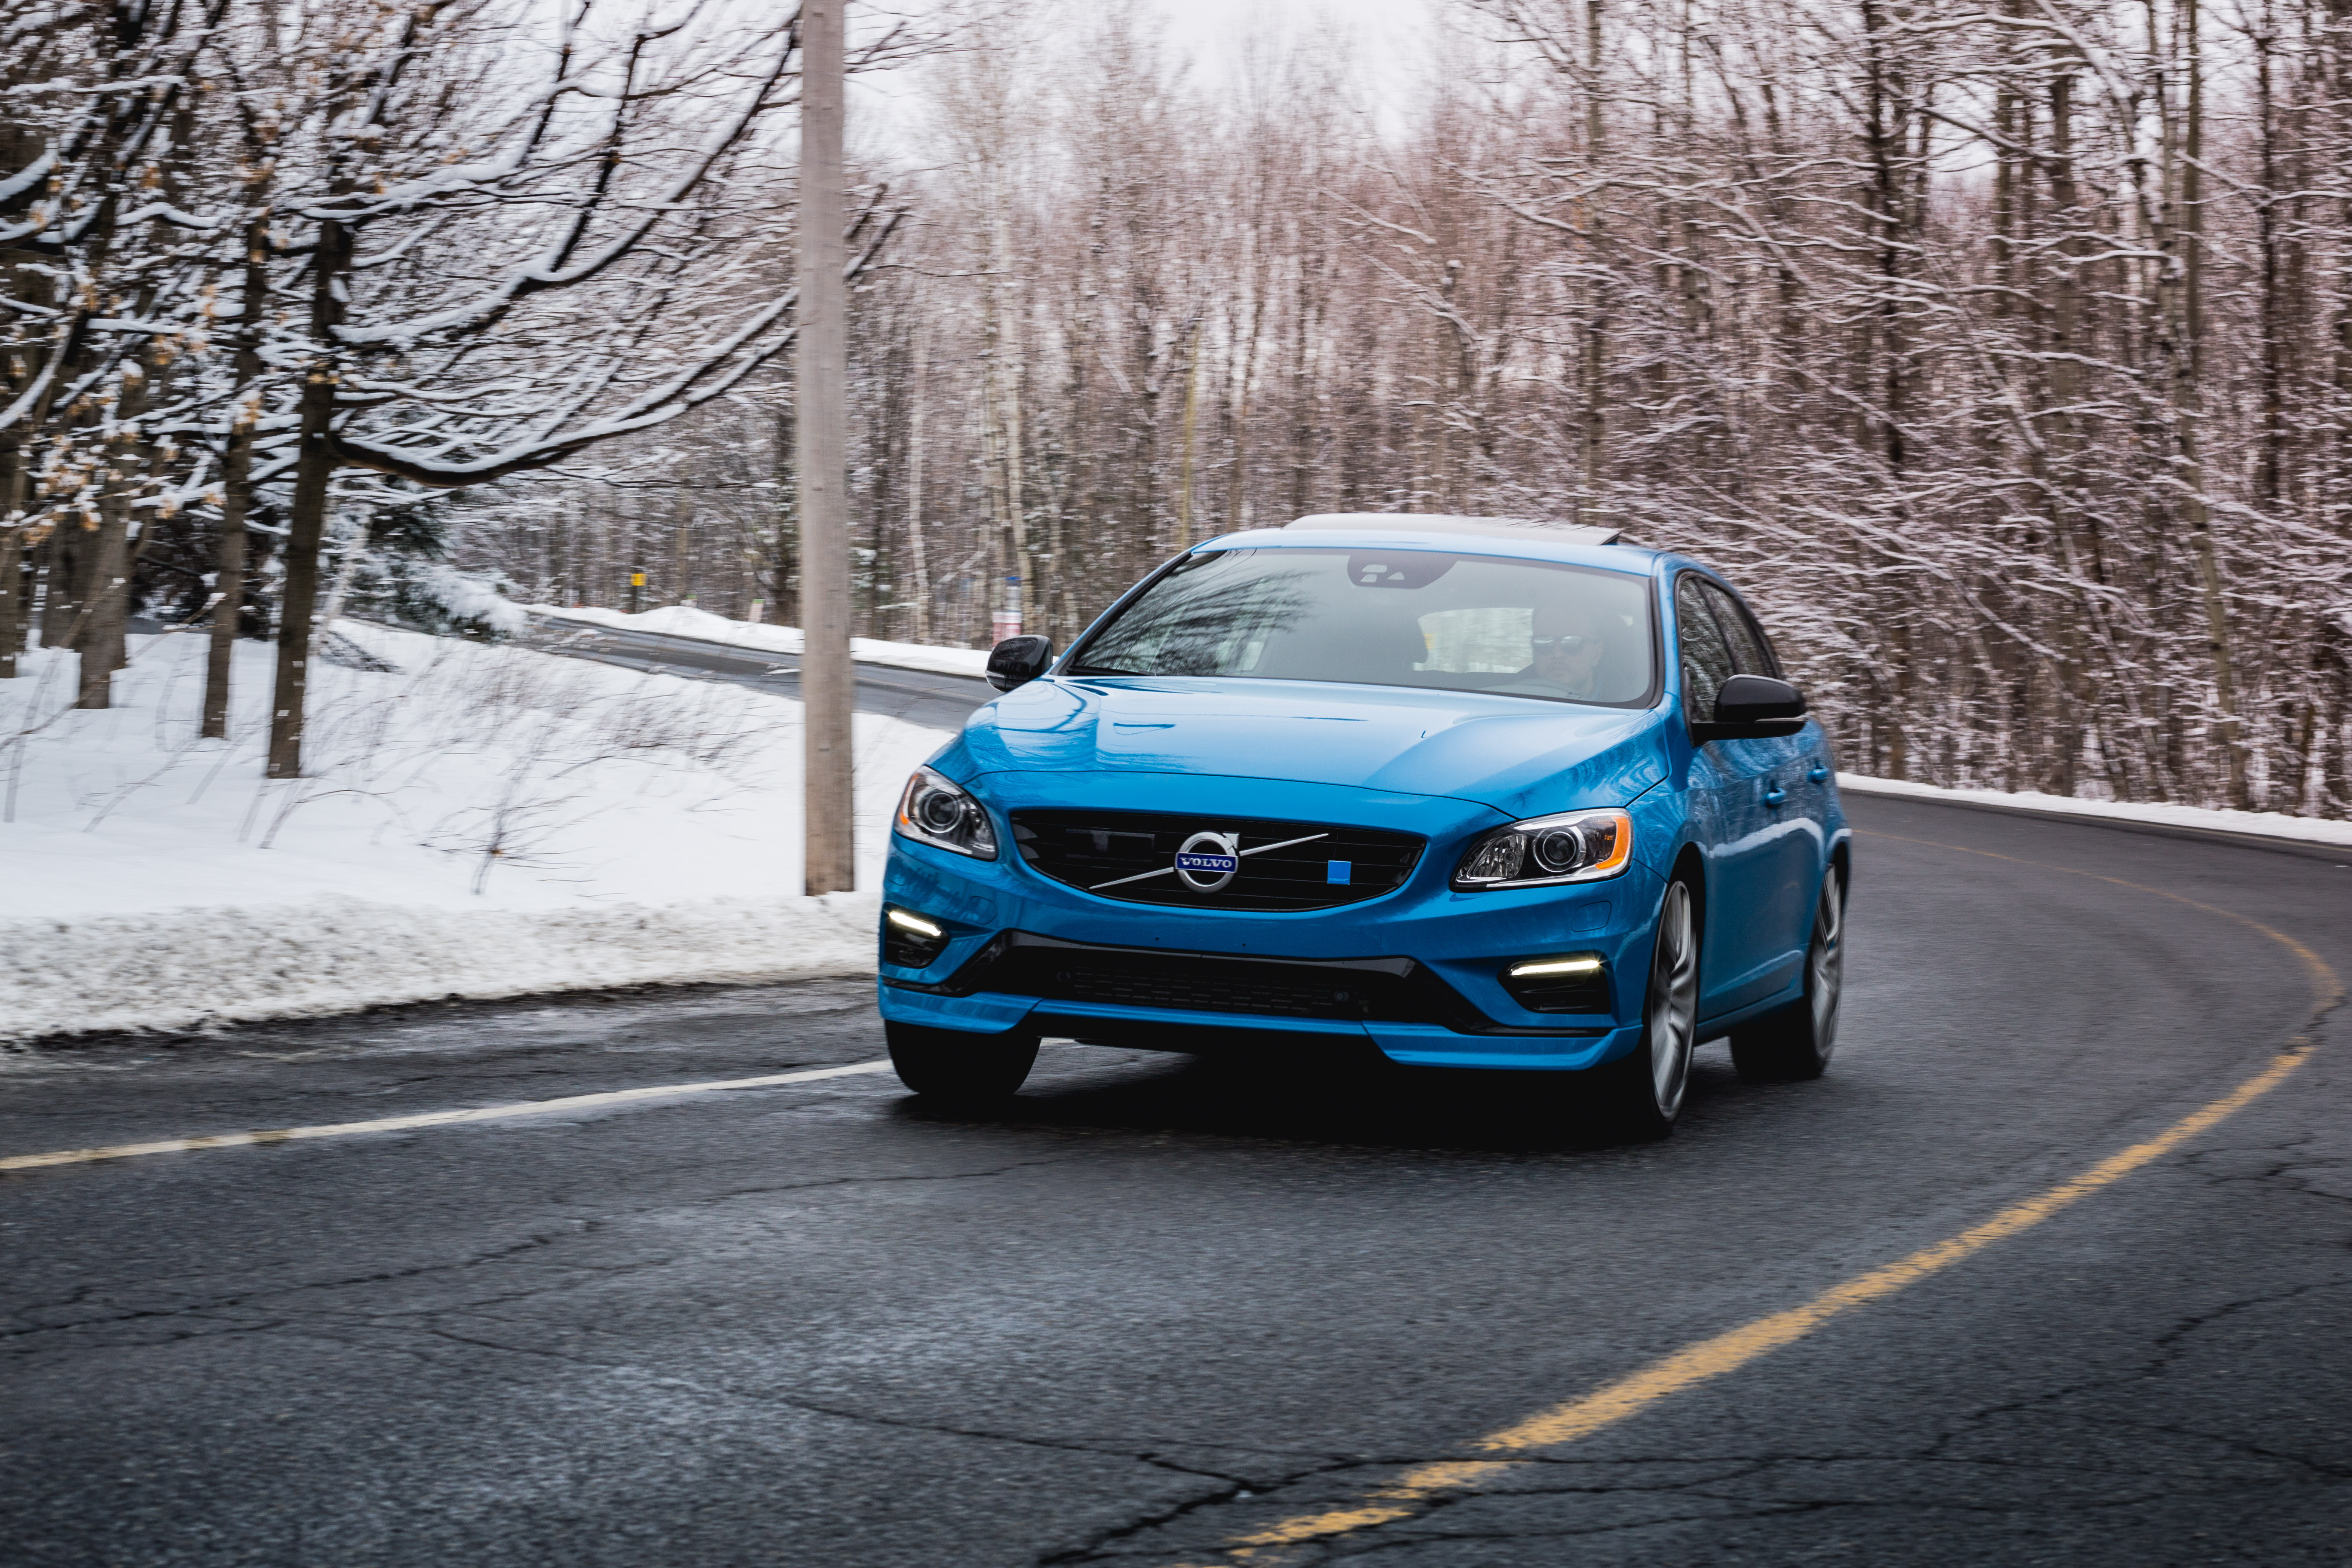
1208,861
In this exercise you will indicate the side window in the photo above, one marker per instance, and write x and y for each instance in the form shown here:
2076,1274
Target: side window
1749,653
1705,658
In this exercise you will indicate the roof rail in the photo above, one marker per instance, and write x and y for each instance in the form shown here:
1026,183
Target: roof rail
1422,522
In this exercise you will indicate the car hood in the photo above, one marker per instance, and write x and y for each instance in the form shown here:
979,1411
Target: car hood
1521,756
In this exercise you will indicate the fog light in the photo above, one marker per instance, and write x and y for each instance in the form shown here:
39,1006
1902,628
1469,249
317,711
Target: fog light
912,941
1559,983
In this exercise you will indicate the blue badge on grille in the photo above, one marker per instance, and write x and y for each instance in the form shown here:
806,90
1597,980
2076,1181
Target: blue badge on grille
1339,872
1207,861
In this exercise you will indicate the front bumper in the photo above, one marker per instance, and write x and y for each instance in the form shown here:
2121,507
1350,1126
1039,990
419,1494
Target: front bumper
1435,958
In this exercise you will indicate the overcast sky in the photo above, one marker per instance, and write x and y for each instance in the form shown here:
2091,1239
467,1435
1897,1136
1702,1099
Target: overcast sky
1393,43
1387,34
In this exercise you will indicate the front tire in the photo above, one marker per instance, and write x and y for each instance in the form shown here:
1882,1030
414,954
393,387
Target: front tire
1644,1092
1793,1043
952,1066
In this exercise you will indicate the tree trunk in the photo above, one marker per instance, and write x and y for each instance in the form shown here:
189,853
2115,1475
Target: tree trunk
99,637
64,568
13,600
2270,463
307,519
919,560
15,491
1595,360
236,499
1192,418
784,564
2191,360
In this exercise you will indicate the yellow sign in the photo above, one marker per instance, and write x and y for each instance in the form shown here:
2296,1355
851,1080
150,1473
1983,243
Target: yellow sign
636,579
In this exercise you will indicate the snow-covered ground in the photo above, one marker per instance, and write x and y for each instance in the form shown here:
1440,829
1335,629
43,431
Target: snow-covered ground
483,820
2261,824
686,621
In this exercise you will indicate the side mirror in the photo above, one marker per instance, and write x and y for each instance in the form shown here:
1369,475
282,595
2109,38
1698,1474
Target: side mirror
1016,661
1752,708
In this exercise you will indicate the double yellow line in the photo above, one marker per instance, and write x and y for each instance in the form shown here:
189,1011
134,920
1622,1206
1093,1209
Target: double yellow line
1729,1351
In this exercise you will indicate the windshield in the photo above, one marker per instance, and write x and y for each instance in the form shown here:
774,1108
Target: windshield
1393,618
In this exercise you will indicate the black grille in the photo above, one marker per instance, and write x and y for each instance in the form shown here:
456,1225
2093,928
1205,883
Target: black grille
1382,990
1203,983
1089,848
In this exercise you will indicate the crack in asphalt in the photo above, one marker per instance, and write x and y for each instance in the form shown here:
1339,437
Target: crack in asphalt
1414,1533
570,1230
1357,1549
2168,1347
1108,1538
1229,1486
220,1303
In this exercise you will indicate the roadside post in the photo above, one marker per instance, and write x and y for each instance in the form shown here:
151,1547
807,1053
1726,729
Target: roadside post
1006,622
819,393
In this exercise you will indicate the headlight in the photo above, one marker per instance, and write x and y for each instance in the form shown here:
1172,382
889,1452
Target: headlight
938,812
1543,851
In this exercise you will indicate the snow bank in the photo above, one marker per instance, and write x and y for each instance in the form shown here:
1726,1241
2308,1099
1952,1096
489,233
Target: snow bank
180,969
481,821
467,598
2263,824
686,621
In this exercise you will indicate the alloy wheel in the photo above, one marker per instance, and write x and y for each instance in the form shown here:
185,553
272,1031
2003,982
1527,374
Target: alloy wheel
1672,1009
1827,959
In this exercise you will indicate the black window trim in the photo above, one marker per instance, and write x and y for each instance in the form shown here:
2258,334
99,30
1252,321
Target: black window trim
1674,593
1771,654
1755,627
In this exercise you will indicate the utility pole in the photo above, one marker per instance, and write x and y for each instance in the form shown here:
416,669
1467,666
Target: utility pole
820,396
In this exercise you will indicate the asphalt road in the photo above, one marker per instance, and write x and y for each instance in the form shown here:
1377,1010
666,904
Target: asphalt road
1158,1305
920,697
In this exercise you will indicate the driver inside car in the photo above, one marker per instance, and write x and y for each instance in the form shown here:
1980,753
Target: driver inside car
1568,650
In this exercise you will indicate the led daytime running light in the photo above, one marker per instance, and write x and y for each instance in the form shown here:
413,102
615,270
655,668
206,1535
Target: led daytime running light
1555,966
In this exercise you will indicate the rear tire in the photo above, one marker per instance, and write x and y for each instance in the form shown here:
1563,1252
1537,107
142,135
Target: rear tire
1793,1043
1642,1093
952,1066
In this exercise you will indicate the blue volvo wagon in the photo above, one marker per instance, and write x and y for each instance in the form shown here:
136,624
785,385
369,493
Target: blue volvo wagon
1485,794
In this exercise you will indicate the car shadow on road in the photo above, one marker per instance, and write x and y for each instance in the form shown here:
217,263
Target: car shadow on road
1341,1096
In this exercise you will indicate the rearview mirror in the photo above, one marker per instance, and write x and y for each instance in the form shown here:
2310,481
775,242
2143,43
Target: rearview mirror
1752,708
1016,661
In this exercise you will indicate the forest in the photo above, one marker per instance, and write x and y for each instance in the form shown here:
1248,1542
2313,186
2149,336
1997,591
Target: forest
2001,352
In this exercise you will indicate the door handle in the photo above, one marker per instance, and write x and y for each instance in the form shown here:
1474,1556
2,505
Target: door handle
1774,795
1819,771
